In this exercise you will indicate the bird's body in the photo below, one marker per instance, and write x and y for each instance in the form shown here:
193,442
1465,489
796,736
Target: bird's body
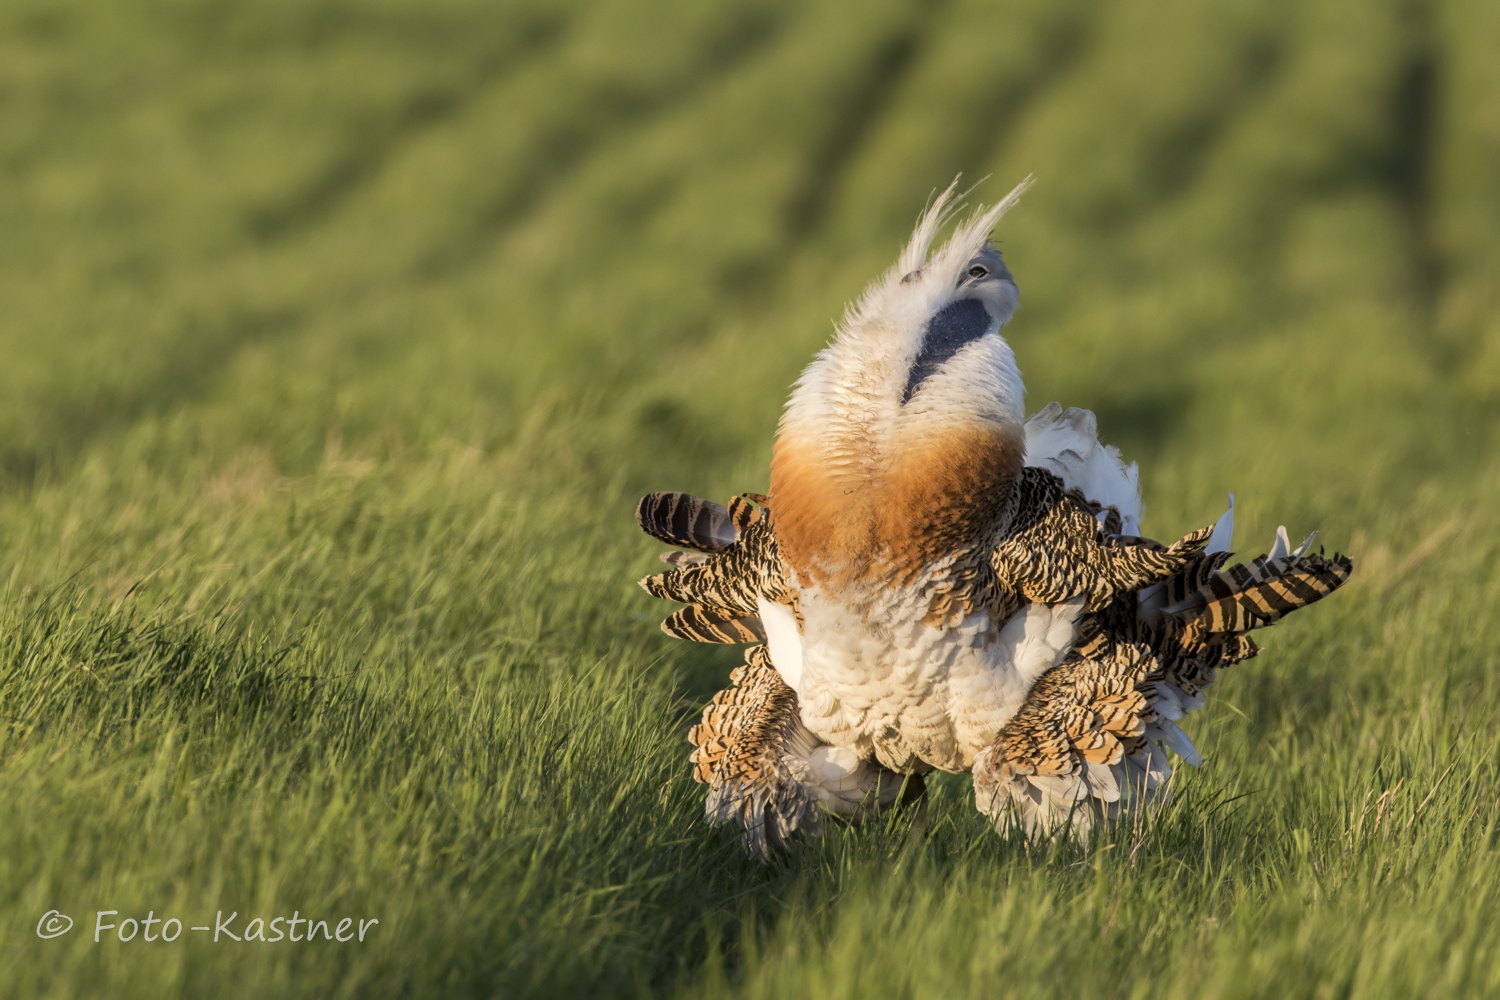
893,461
927,560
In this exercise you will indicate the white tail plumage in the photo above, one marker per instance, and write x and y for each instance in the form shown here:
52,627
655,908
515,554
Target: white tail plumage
1066,443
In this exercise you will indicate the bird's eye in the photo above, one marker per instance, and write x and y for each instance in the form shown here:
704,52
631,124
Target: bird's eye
978,272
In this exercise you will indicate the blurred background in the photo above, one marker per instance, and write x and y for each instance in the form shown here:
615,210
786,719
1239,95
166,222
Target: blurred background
1269,230
338,337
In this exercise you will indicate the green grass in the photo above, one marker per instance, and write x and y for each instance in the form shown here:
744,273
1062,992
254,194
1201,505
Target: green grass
338,339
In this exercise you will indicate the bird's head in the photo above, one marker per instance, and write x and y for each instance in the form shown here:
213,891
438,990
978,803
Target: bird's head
920,351
918,397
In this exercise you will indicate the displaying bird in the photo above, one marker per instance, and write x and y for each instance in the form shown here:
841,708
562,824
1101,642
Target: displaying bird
937,583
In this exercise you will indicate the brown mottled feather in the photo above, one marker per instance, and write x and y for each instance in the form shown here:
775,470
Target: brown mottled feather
1054,550
741,750
1097,705
738,754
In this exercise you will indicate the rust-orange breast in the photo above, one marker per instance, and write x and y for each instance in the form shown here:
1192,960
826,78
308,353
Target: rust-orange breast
844,522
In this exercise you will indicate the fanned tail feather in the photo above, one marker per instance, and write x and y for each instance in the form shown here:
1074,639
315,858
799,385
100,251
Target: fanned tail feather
685,520
721,582
706,624
1223,536
1241,598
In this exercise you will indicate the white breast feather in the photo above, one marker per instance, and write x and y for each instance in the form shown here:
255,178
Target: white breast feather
783,641
940,695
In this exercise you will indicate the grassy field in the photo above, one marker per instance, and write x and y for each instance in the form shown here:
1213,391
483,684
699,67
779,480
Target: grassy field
337,340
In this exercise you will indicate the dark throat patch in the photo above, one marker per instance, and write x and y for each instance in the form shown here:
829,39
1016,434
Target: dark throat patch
953,328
